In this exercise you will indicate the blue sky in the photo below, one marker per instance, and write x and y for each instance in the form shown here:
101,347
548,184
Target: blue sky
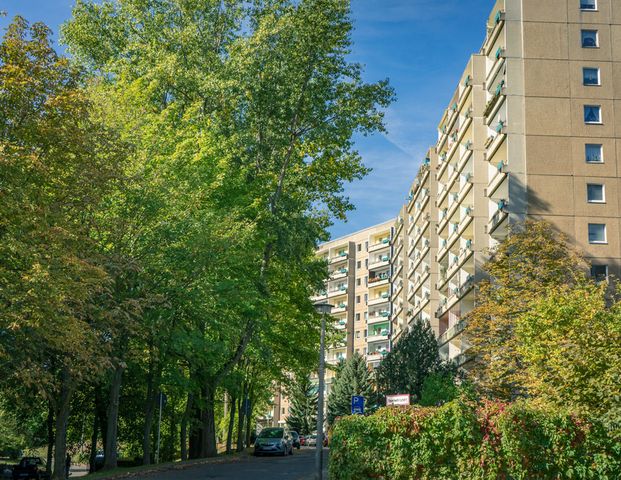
422,46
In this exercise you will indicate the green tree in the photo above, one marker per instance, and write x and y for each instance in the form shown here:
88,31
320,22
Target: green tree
304,397
411,361
532,260
570,343
242,115
353,378
58,163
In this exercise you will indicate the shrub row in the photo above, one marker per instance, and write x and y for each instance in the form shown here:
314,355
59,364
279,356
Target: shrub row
464,440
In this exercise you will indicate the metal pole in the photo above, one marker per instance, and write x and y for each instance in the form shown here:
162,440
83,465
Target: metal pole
319,447
159,425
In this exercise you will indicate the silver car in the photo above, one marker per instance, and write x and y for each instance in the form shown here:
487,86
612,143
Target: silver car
274,441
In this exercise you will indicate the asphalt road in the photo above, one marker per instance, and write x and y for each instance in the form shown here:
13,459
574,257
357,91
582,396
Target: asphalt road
299,466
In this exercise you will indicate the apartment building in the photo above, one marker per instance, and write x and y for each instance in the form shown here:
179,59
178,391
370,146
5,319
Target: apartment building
533,130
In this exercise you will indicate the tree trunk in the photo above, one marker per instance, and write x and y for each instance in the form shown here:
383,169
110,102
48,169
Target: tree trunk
110,450
184,427
50,437
209,447
249,427
62,418
94,437
229,435
148,422
240,422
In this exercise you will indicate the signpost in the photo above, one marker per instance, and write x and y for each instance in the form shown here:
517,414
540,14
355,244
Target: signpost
357,405
397,400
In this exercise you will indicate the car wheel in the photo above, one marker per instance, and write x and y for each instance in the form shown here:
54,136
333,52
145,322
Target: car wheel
291,453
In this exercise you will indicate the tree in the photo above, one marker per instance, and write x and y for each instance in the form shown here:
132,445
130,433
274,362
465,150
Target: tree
304,397
353,378
411,361
247,112
58,164
533,260
569,341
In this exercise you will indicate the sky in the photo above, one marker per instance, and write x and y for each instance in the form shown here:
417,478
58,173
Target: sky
421,46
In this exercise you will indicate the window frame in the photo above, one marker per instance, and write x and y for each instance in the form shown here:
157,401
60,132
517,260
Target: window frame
599,77
599,110
599,278
598,242
587,9
582,37
601,153
603,186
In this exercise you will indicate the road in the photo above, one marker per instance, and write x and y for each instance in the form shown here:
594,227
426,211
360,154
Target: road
300,466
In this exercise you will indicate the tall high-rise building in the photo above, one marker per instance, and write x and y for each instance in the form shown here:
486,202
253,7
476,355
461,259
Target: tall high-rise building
533,130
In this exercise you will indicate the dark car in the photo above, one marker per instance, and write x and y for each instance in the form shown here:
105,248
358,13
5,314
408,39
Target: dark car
295,439
274,441
30,468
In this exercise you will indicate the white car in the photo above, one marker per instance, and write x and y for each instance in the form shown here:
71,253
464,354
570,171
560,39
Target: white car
311,441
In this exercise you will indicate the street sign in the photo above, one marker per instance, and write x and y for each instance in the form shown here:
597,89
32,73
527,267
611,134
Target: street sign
397,400
357,405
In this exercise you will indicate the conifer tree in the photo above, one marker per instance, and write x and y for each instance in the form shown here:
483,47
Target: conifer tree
304,399
352,379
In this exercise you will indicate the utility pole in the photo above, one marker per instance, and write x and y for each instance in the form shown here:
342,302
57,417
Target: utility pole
324,309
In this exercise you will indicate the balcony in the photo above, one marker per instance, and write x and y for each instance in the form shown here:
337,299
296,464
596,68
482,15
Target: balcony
380,262
497,180
337,291
494,143
339,308
341,257
494,104
464,254
341,324
384,298
380,316
498,218
452,332
381,336
443,163
420,304
339,273
397,271
385,243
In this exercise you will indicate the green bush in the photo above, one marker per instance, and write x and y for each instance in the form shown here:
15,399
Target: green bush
465,440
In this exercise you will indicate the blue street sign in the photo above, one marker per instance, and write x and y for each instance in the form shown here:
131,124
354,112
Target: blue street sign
357,405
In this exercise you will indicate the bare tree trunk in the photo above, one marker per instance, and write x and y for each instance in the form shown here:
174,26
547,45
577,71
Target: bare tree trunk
62,418
240,422
94,437
50,437
148,421
184,427
209,448
229,435
110,459
249,426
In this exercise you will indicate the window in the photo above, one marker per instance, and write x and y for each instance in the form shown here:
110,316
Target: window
366,263
366,281
595,193
283,410
366,315
358,334
365,334
360,247
358,299
599,272
358,281
588,4
359,264
366,246
590,39
594,153
592,114
597,233
366,298
590,76
357,317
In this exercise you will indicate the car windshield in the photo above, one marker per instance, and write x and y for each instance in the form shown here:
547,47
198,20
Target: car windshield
271,433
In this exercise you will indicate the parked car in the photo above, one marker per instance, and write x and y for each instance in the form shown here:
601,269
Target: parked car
302,440
274,441
295,439
311,440
30,468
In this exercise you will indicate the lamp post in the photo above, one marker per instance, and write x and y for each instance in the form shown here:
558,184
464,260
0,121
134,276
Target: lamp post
324,309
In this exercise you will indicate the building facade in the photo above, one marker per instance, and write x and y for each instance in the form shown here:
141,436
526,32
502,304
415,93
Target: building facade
533,130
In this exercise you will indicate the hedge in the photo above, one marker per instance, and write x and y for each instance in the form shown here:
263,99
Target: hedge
465,440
